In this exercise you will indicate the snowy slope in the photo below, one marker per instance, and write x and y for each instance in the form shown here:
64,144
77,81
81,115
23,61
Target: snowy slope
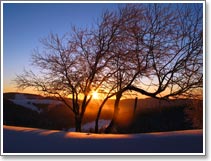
22,100
31,140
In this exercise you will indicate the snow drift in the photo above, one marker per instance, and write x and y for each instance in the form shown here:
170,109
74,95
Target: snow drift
32,140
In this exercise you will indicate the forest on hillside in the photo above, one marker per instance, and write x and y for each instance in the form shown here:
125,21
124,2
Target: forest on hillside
150,115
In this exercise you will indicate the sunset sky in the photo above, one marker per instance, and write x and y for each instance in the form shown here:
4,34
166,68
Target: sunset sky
25,24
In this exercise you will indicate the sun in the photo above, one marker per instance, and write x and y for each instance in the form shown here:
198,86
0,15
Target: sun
95,95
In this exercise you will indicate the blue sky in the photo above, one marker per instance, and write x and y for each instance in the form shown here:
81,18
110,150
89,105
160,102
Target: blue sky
24,24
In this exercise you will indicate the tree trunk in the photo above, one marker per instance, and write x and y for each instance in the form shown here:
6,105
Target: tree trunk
98,115
77,123
135,107
80,115
116,111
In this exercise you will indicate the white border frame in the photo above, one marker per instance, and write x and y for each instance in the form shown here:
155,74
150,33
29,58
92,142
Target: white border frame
2,78
111,154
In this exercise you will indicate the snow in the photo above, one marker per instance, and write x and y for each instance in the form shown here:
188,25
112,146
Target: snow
102,124
22,100
31,140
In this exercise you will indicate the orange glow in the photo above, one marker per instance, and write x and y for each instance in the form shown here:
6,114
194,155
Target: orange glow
82,135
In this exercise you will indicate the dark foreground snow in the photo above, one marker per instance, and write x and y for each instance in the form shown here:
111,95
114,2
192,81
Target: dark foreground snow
31,140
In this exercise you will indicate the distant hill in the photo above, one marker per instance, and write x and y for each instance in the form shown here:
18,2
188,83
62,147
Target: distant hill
22,109
11,95
35,111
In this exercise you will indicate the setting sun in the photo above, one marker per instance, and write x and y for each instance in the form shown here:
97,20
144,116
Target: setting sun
95,95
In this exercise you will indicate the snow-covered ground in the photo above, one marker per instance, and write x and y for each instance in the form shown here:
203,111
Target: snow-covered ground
22,100
102,124
32,140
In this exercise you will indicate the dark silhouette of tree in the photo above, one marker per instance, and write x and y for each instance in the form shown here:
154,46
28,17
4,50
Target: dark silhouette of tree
69,67
170,39
127,63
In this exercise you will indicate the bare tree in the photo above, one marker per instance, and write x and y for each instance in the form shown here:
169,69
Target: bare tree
127,63
75,65
174,44
170,39
68,68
